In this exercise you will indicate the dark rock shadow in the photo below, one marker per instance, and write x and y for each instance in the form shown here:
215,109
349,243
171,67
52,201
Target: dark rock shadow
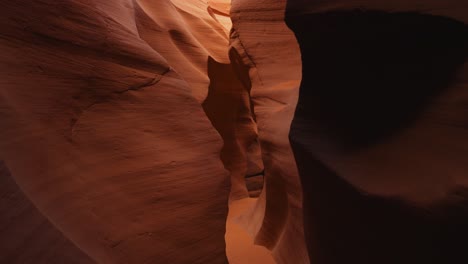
228,107
366,76
369,74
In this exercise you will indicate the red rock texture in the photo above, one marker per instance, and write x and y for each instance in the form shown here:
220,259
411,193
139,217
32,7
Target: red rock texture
130,127
103,128
275,73
25,231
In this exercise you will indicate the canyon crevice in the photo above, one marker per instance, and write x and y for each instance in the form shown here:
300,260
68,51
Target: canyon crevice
263,132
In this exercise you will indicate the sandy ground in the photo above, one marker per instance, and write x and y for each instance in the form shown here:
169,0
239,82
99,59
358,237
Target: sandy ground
240,248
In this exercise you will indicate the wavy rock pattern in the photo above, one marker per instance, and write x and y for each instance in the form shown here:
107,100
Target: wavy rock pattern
129,128
103,129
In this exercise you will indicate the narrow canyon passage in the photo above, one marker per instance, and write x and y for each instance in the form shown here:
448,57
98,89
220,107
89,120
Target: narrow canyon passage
228,106
233,131
112,144
121,128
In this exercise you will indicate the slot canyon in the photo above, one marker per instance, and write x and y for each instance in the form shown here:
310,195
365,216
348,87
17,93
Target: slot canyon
233,131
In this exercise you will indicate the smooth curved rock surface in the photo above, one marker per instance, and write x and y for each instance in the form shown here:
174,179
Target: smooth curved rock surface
130,127
103,129
269,50
25,231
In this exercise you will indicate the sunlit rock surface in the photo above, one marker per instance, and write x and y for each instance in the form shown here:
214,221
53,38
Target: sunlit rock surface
103,128
269,50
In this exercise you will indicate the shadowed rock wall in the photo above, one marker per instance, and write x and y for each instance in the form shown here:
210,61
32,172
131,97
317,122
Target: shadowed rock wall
379,131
